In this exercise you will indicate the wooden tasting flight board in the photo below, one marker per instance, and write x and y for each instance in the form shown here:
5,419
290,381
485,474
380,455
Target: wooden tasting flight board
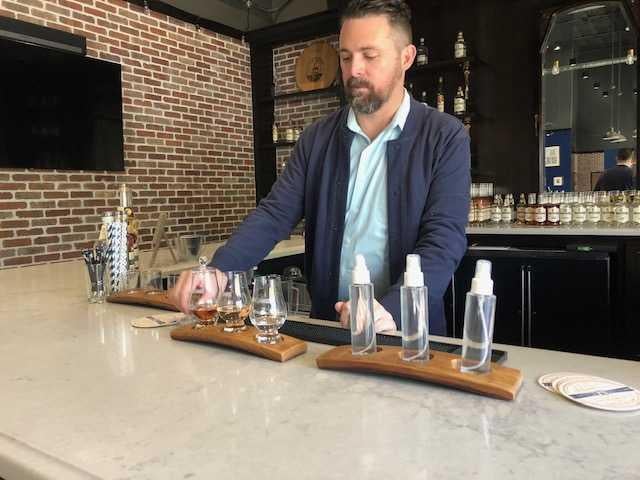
245,340
442,368
146,298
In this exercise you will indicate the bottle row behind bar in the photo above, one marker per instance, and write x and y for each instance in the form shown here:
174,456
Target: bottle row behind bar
570,209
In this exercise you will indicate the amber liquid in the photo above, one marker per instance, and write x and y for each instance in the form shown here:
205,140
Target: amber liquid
233,317
205,313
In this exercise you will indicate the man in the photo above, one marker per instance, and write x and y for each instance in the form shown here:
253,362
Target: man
385,176
620,177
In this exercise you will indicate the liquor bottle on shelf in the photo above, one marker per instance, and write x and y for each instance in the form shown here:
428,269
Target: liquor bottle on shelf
606,209
423,97
460,47
566,212
440,97
410,89
507,212
520,210
529,212
594,213
540,211
473,215
621,211
496,209
296,133
635,209
466,69
553,210
422,57
578,210
289,134
274,133
460,104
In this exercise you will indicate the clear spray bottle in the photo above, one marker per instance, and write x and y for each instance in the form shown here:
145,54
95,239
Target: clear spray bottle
363,332
479,313
414,309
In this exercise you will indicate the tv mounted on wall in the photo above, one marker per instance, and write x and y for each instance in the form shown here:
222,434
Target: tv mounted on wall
59,110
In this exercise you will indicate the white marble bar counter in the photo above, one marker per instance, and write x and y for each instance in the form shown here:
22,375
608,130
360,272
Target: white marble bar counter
292,246
85,395
549,230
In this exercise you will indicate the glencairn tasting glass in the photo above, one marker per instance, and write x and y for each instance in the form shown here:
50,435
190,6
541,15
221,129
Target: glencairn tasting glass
269,310
234,301
203,295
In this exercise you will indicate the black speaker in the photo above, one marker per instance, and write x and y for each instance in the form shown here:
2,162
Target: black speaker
33,34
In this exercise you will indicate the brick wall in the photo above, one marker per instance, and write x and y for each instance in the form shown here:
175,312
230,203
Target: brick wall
582,167
300,111
187,127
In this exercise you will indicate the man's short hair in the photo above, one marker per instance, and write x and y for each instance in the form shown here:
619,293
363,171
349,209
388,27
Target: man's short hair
625,154
397,12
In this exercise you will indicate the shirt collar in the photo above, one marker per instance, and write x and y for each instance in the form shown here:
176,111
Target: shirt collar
398,120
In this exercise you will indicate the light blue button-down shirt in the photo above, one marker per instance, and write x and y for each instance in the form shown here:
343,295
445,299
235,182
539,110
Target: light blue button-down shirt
365,223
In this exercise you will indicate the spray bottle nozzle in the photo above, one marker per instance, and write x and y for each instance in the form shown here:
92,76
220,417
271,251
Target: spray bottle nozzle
413,276
360,275
482,283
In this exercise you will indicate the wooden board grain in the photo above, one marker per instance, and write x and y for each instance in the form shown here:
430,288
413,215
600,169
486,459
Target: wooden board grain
443,368
145,298
280,352
316,67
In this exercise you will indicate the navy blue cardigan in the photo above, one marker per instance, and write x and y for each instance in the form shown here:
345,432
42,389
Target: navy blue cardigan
428,202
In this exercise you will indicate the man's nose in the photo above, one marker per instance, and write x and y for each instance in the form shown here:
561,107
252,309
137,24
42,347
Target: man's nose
356,69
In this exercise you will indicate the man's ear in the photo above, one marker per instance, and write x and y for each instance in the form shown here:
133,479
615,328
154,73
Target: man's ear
407,56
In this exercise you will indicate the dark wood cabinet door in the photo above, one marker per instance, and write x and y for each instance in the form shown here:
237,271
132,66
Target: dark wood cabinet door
569,303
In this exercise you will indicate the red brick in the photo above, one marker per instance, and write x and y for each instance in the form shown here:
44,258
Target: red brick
28,195
57,213
13,186
16,242
30,232
52,230
46,258
29,251
14,223
14,262
30,213
12,205
47,239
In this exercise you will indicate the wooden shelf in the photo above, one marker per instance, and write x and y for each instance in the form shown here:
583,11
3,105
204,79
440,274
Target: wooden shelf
287,96
440,66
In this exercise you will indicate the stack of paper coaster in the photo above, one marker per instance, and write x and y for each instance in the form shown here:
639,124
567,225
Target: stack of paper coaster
590,391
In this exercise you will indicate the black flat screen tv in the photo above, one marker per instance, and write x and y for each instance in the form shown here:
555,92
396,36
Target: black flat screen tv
59,110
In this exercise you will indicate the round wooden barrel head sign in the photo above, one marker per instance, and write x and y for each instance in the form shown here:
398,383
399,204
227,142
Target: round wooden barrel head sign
316,67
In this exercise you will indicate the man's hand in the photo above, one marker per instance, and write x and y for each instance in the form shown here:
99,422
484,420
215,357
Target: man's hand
382,319
190,281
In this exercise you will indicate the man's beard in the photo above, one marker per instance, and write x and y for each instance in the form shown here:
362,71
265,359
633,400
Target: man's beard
369,102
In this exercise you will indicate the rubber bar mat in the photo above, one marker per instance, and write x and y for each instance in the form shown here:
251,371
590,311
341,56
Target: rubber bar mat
339,336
